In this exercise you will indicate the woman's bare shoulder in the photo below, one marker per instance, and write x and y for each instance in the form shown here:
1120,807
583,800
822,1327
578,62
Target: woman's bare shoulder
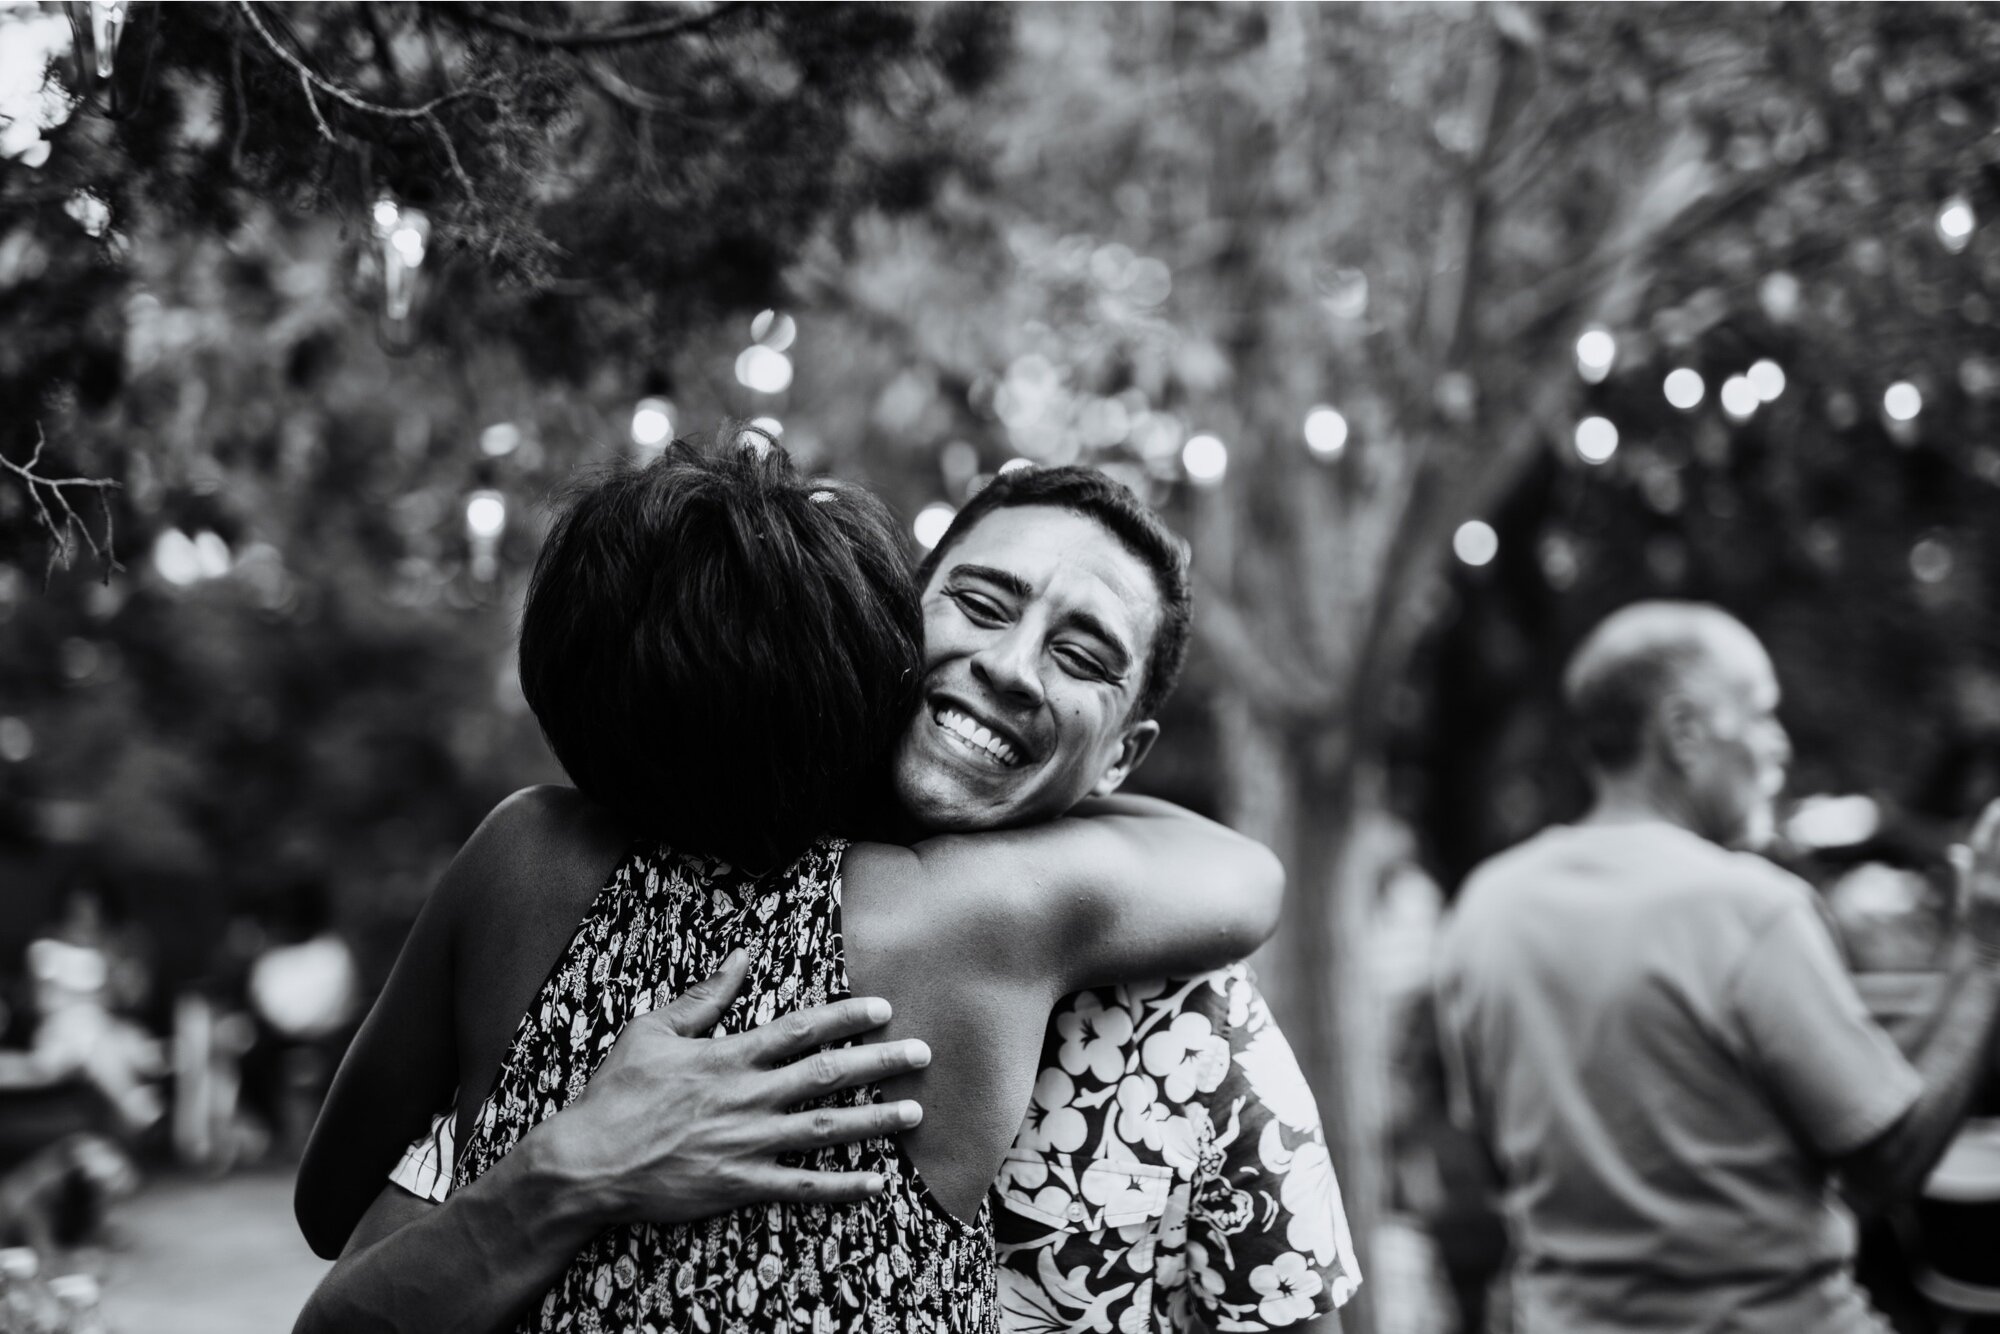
540,840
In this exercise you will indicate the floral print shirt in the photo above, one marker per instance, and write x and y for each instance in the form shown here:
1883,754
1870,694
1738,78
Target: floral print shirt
1171,1165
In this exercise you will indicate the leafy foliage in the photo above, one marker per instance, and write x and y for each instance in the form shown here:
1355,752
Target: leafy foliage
302,678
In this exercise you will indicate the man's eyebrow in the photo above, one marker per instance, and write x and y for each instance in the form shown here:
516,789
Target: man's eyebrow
1092,625
1006,579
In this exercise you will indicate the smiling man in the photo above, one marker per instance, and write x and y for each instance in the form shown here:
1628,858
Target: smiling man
1035,693
1171,1164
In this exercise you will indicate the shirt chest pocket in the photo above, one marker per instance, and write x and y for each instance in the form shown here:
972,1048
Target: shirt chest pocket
1058,1191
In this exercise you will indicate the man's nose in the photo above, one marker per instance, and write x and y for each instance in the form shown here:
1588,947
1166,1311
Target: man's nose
1780,746
1007,666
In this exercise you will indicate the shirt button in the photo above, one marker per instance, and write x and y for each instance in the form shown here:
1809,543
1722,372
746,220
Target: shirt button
1075,1212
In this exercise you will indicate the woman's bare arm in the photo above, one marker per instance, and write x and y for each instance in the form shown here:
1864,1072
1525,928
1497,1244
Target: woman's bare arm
503,909
1126,887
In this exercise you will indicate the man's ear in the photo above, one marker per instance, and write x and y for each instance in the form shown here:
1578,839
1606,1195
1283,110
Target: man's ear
1679,731
1136,745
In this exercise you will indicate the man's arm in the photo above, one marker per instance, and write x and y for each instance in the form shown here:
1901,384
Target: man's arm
1953,1055
1274,1159
673,1127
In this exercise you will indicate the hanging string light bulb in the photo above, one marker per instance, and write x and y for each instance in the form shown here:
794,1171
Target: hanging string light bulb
98,28
1739,398
1955,223
1684,388
1326,432
407,246
1596,350
1767,380
1475,542
485,521
404,235
1596,439
107,25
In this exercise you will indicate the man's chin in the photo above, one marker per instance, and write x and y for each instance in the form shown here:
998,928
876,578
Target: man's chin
1757,831
935,804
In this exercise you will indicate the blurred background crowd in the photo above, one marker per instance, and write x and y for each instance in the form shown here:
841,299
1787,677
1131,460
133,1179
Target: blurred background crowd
1438,331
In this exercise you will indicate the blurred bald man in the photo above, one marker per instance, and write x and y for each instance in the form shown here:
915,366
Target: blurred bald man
1653,1034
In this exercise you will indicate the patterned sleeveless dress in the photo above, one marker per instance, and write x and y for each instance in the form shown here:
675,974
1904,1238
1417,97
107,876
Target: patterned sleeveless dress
899,1262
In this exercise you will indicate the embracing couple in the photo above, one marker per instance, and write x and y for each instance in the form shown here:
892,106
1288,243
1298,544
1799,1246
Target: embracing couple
983,1057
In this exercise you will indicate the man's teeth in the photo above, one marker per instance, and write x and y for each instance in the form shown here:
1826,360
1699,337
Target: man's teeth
961,726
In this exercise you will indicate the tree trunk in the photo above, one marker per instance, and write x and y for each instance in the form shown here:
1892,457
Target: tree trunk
1313,809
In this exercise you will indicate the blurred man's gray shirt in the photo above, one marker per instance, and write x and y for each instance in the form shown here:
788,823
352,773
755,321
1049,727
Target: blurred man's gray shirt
1659,1044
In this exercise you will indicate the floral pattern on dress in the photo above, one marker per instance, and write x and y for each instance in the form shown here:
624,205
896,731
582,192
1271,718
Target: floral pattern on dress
1171,1166
895,1264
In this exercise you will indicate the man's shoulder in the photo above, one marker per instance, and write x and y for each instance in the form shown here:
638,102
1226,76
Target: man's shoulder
1209,994
1744,887
1658,852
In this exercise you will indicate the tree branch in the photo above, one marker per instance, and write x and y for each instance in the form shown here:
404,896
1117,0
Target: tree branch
61,541
1253,670
1444,494
576,38
310,79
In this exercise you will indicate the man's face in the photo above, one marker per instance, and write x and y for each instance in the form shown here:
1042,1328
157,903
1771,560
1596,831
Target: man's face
1037,628
1735,764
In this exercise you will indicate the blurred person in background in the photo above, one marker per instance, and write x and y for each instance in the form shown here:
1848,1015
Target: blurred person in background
1653,1035
303,989
85,1089
84,975
1036,636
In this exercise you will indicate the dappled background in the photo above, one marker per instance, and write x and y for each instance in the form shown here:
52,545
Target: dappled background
1439,332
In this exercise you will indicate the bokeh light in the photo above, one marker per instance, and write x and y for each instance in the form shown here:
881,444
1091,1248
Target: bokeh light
1955,222
1015,465
1205,458
1596,439
485,514
17,740
931,522
1596,350
211,554
770,426
1739,397
1326,432
652,422
764,369
1475,542
499,440
1930,561
90,212
774,330
1902,401
1767,378
409,239
1684,388
175,559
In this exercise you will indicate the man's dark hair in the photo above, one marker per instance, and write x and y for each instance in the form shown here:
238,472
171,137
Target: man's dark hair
1093,495
1628,664
722,652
